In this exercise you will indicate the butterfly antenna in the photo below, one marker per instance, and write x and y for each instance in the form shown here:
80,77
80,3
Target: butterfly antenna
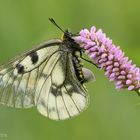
53,22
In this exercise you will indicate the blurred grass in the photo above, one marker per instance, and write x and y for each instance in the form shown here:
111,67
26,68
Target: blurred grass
111,115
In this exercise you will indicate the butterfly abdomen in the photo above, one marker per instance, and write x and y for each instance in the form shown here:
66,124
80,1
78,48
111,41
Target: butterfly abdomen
78,69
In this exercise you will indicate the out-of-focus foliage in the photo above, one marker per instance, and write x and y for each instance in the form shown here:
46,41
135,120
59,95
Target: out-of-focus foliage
111,115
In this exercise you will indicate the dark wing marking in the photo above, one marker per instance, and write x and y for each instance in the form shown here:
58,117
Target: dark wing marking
60,95
17,88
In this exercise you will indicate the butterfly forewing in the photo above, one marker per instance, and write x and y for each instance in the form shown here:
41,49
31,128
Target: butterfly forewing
16,84
43,77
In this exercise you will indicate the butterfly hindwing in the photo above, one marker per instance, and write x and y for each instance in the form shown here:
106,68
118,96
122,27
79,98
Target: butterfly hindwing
62,96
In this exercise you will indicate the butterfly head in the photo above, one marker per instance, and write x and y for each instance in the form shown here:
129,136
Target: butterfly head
67,37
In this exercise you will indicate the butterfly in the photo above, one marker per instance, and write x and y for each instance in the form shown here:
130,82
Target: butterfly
50,77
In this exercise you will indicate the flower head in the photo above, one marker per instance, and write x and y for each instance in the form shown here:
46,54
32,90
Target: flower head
110,58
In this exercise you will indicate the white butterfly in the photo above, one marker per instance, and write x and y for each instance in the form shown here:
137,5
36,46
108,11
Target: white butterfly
49,77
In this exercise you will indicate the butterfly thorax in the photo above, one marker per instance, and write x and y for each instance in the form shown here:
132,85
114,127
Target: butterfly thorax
68,40
74,49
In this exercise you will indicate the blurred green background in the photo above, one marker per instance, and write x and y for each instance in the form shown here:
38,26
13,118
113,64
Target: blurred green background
111,115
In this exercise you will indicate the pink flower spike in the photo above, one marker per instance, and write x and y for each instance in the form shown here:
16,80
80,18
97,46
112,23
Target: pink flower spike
131,87
115,69
109,67
129,76
119,86
108,42
93,49
103,55
107,73
93,55
123,72
116,64
87,47
84,33
102,49
112,75
128,82
87,52
109,57
121,77
92,36
93,29
91,43
109,62
118,83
